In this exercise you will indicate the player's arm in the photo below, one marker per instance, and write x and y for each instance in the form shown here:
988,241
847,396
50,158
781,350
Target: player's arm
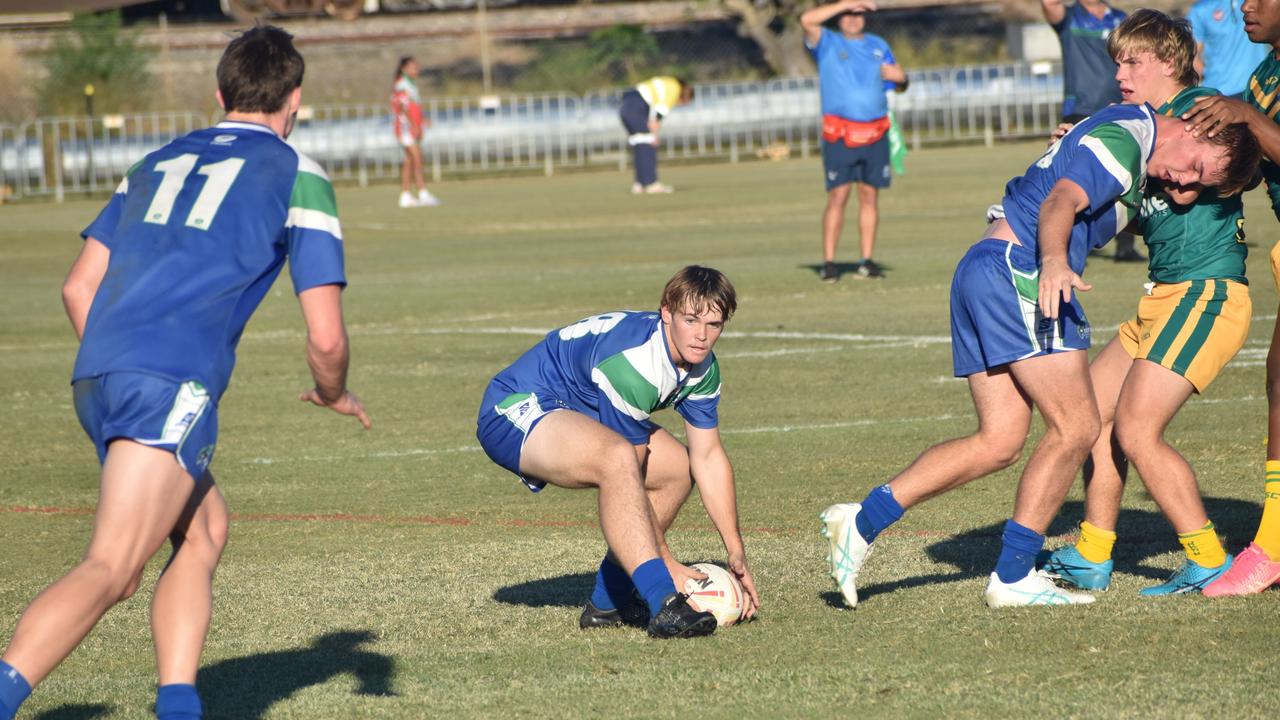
327,353
709,465
894,74
811,20
1057,216
82,283
1055,11
1215,112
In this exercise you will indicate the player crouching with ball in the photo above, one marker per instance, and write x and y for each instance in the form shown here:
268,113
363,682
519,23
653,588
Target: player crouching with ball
574,411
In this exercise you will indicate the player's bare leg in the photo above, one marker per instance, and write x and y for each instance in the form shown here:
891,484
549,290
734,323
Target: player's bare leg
1152,395
1105,478
833,221
1058,385
142,495
1004,417
183,602
571,450
868,217
406,170
668,483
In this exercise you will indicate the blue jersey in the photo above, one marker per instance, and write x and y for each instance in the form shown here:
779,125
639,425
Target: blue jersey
849,75
1106,155
617,368
198,231
1229,55
1088,71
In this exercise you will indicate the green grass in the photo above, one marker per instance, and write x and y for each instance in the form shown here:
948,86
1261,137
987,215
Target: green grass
397,573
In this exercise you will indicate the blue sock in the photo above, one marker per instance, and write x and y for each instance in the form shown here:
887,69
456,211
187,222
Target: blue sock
613,586
1018,552
654,583
879,511
178,702
13,690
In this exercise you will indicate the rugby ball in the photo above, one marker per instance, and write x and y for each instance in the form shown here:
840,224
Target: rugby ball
720,594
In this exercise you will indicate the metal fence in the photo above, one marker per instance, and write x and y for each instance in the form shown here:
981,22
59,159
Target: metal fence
544,132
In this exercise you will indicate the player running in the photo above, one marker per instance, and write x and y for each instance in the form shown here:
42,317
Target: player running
1019,335
1193,319
574,411
1257,567
168,276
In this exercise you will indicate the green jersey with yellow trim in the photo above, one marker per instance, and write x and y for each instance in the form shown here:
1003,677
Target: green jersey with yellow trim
1200,241
1264,86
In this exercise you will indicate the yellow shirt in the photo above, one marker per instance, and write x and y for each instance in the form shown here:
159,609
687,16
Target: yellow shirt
662,93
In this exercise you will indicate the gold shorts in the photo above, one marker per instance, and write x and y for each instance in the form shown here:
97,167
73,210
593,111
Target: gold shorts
1193,328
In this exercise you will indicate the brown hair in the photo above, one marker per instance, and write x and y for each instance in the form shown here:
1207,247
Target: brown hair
1243,153
1168,39
686,90
258,70
697,289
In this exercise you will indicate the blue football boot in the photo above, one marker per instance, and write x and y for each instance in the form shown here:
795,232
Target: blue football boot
1190,578
1068,565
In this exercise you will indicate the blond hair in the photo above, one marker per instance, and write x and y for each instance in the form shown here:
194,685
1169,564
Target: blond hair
1169,40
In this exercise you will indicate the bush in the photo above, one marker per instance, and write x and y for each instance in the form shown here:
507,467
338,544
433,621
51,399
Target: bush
97,51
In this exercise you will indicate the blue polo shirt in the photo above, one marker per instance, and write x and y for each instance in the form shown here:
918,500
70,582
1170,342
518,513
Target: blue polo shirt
1229,55
849,75
1089,82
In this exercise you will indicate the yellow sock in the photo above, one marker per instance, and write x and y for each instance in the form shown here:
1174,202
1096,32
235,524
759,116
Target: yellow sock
1268,537
1203,547
1095,544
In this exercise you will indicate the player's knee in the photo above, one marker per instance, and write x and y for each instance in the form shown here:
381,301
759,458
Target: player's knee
615,461
116,581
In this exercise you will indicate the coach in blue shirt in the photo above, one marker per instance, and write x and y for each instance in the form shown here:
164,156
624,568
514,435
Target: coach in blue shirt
854,68
1226,57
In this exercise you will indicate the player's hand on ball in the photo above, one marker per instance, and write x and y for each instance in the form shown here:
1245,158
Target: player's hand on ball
681,574
348,404
738,566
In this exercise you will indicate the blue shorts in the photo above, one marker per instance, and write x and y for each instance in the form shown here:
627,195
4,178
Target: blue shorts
995,311
507,416
179,417
866,164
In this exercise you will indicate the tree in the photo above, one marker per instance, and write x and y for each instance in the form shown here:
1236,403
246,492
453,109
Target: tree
624,51
96,51
775,26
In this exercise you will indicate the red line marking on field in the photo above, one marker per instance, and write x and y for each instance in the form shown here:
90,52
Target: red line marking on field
460,521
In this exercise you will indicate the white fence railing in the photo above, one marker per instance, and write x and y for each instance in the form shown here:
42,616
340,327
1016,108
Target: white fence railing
543,132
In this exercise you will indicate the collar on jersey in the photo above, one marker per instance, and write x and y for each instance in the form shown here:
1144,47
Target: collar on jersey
242,125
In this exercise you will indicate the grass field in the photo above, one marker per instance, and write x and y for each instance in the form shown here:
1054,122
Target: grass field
397,573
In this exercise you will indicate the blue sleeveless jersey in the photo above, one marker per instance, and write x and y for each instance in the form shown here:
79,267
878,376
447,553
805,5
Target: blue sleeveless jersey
1106,154
198,232
616,368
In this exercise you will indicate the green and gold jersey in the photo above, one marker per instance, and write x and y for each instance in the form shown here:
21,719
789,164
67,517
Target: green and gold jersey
1201,241
1264,86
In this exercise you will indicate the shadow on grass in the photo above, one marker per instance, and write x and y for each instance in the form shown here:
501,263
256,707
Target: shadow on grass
246,688
1143,534
842,268
75,712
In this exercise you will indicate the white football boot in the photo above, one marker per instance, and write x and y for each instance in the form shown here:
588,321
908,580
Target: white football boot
1036,588
848,549
426,199
407,201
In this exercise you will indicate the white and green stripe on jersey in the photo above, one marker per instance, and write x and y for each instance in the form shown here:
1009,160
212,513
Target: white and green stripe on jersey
642,379
1120,145
312,204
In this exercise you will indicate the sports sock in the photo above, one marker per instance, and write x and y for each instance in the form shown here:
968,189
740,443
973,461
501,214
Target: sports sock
1268,537
13,690
1018,551
654,583
1095,544
879,511
178,702
613,586
1203,547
